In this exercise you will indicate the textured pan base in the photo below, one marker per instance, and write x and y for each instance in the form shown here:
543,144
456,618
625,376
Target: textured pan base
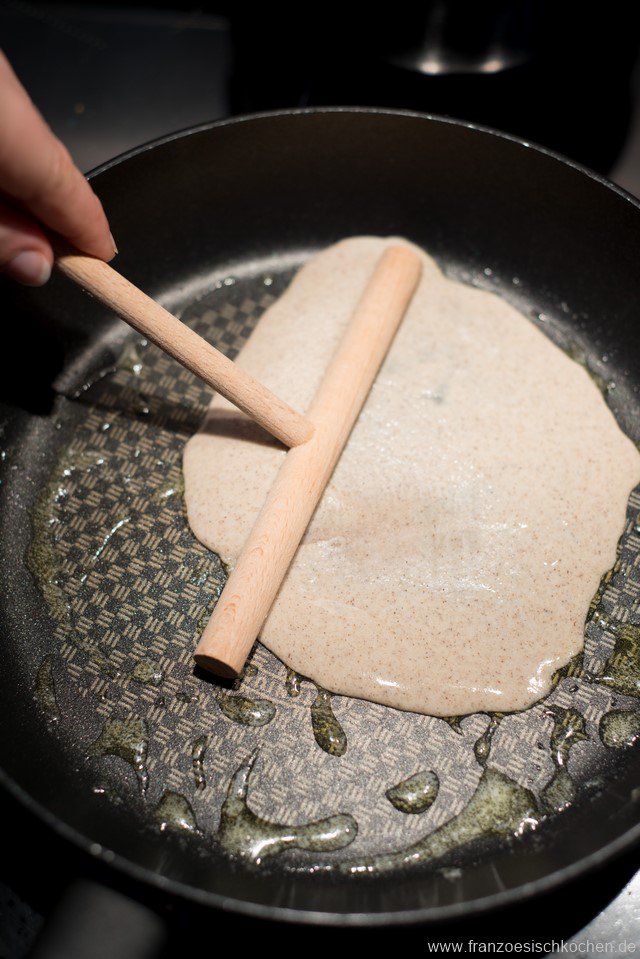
126,581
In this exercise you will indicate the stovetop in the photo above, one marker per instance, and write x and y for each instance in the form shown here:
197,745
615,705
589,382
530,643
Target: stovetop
108,79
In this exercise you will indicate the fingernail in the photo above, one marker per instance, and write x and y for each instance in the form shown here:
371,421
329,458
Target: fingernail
29,267
115,248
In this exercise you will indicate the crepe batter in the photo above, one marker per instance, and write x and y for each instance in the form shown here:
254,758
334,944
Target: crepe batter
450,564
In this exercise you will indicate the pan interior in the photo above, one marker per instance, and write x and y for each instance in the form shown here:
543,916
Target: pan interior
105,590
128,588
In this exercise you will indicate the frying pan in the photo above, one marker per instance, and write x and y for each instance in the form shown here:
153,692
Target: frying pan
213,222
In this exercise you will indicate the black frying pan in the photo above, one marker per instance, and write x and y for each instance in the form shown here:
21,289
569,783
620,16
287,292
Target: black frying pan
248,200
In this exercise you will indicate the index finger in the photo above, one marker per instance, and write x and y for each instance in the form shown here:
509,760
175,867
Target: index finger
36,170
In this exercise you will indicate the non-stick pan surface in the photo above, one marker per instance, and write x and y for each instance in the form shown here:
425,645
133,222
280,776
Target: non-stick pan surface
107,731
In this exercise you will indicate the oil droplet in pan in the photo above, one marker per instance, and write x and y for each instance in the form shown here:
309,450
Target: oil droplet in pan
620,728
499,807
559,792
415,794
244,834
454,723
46,689
622,670
130,360
198,750
249,670
174,812
147,673
573,670
293,683
246,711
482,746
328,733
129,740
569,728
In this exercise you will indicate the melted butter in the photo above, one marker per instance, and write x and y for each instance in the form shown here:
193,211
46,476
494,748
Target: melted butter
188,694
147,673
482,746
198,750
569,729
327,731
559,793
244,834
174,812
248,670
93,652
454,723
106,540
247,711
130,359
498,808
169,490
293,683
574,669
415,794
129,740
621,671
451,562
42,557
620,728
46,689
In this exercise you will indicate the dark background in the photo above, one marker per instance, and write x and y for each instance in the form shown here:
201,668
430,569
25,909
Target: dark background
109,77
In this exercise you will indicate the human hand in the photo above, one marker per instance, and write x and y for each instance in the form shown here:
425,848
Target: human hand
40,187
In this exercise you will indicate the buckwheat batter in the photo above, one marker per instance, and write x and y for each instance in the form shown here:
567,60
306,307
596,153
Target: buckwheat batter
450,564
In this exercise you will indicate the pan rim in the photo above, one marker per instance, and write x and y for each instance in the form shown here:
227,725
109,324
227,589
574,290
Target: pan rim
429,914
255,910
363,111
